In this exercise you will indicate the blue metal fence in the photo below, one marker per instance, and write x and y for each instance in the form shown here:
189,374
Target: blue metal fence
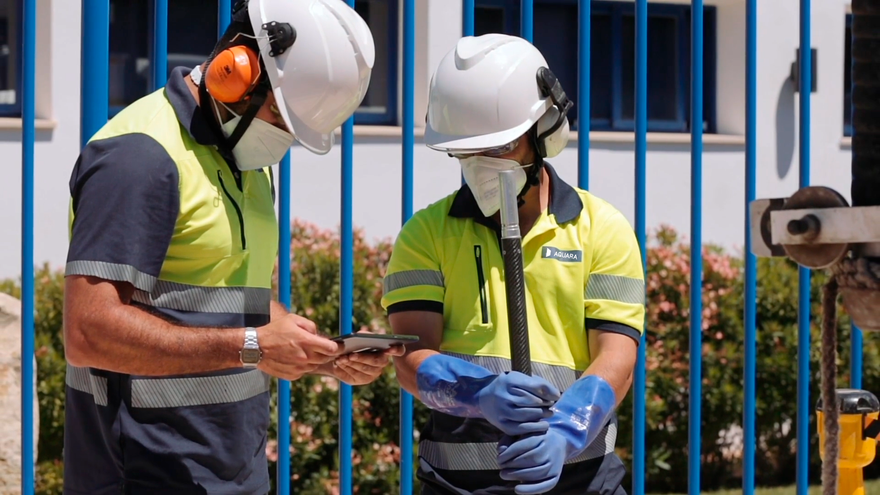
94,97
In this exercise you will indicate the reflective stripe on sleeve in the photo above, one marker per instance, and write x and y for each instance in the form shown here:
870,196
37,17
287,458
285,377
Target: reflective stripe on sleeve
412,278
615,288
182,297
111,271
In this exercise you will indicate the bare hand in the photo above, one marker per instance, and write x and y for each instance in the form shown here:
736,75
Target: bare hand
291,347
362,368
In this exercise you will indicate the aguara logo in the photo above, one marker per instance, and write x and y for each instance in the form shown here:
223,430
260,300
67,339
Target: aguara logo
560,255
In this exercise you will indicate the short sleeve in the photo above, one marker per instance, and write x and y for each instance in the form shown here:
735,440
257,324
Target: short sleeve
125,199
414,281
614,296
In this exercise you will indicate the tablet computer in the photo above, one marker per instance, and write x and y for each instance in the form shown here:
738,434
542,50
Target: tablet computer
371,342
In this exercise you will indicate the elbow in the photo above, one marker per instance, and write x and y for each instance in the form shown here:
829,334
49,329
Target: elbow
79,348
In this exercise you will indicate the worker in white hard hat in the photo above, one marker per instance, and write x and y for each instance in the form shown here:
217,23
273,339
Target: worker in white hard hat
495,105
170,329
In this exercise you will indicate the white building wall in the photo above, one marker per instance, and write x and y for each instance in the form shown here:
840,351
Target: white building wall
377,154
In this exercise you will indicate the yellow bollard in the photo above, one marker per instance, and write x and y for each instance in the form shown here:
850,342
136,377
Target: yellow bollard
859,428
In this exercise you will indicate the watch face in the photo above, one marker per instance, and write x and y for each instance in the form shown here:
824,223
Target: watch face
250,356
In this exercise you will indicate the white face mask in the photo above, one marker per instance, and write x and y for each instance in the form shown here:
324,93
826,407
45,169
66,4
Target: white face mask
481,175
261,145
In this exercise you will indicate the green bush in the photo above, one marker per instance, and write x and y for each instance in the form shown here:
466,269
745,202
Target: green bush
314,408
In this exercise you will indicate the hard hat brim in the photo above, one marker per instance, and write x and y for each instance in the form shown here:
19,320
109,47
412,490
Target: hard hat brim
474,144
314,141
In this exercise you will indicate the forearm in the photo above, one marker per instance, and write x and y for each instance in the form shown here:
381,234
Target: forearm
407,369
128,340
616,372
277,310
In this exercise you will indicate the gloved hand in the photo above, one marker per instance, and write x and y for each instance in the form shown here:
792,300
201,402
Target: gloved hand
515,403
536,461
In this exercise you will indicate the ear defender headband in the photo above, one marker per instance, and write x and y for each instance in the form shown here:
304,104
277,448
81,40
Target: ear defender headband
552,128
550,134
237,74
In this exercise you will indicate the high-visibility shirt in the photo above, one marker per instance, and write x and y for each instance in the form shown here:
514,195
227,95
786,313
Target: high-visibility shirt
155,204
582,270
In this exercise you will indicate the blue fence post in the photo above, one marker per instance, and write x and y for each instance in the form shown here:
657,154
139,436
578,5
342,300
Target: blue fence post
696,310
855,364
751,272
408,143
95,75
803,361
282,466
467,17
224,16
28,135
346,294
160,43
526,24
641,113
583,93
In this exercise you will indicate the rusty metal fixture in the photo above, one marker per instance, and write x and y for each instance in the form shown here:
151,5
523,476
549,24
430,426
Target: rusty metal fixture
815,256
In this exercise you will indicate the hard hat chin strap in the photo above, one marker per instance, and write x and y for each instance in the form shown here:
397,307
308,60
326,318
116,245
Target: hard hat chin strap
533,174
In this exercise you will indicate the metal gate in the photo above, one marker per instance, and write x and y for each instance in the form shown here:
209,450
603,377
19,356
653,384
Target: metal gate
95,48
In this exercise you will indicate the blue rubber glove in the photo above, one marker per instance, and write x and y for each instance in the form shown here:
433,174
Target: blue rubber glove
515,403
536,461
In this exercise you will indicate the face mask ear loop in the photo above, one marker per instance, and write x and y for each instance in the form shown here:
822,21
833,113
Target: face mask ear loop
256,102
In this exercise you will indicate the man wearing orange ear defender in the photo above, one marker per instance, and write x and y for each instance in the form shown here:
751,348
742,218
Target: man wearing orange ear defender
171,334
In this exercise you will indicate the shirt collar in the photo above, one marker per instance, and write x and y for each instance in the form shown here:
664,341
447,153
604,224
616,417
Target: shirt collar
188,112
565,203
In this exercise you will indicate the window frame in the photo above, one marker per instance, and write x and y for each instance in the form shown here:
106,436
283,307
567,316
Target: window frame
389,117
681,12
14,110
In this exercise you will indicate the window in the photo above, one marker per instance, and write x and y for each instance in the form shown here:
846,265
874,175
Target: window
192,33
612,63
380,103
10,57
847,80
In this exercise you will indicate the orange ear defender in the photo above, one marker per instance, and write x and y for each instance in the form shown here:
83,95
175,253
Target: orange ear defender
233,74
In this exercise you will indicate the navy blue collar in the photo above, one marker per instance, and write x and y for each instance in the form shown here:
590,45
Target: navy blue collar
565,203
188,112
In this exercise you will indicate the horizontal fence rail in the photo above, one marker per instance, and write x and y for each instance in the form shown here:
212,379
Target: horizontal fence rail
94,96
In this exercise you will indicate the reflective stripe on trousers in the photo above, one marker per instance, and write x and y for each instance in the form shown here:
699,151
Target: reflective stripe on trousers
175,392
484,456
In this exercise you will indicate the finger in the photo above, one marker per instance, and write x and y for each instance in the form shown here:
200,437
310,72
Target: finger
321,345
368,359
396,350
539,388
306,324
523,429
355,370
533,473
518,448
344,375
528,414
364,376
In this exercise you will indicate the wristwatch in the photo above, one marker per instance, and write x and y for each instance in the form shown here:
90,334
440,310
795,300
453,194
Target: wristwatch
250,352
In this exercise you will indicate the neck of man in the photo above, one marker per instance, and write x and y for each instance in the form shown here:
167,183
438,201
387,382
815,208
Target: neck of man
536,201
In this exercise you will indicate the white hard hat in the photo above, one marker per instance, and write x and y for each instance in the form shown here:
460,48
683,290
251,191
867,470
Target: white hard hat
321,79
489,91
